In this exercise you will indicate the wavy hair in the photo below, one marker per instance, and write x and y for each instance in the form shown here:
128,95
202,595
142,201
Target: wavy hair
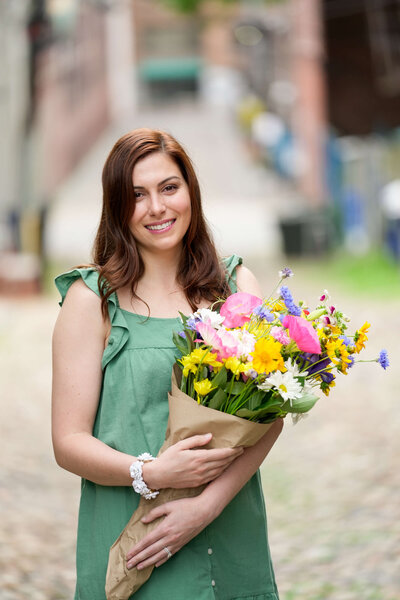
115,253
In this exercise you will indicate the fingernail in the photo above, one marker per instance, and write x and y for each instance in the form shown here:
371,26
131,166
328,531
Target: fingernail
139,567
129,566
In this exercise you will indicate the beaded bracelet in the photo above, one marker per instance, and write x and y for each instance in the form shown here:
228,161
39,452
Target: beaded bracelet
136,471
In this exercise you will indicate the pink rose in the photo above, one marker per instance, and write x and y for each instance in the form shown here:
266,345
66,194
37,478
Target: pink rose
303,333
237,308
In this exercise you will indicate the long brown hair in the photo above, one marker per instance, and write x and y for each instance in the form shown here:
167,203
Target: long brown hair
115,253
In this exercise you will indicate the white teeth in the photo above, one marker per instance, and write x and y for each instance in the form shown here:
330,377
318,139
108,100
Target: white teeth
159,227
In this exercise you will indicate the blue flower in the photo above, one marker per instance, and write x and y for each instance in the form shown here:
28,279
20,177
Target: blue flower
351,363
383,359
263,313
346,340
191,323
182,334
289,302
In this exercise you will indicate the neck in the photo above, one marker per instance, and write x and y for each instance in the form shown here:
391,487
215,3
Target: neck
161,267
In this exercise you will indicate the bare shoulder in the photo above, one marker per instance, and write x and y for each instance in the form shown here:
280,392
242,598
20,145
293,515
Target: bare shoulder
81,311
247,281
80,295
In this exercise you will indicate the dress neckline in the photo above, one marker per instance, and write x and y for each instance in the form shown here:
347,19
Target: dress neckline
147,317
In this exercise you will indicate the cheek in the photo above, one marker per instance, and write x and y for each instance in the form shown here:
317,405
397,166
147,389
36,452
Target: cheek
184,206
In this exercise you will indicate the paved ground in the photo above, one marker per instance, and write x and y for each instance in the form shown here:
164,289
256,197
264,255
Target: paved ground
331,482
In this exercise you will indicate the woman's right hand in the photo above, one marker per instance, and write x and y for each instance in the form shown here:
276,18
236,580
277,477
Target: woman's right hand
186,465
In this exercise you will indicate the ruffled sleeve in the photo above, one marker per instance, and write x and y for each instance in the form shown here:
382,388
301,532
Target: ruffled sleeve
119,328
230,263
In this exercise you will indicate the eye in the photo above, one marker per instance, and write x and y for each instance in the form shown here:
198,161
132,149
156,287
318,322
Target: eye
170,187
138,195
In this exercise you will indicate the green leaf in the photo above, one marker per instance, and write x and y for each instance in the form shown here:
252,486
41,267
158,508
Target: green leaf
256,415
220,378
190,343
235,388
218,399
300,405
183,317
179,343
256,400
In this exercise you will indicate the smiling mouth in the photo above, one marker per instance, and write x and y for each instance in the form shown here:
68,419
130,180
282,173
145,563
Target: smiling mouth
161,226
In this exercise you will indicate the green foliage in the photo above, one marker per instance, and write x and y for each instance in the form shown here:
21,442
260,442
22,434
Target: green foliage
301,405
375,274
191,6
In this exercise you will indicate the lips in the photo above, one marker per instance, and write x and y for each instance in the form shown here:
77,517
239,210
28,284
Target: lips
161,225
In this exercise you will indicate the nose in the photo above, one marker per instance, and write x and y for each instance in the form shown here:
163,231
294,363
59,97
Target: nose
156,204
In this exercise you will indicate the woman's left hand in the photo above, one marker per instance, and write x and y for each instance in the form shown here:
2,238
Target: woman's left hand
183,520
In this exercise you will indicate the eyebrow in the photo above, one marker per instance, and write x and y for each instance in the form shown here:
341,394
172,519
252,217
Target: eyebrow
140,187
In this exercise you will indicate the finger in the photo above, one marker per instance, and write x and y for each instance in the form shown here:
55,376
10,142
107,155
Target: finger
227,458
211,475
223,453
160,557
147,553
146,542
156,513
161,562
195,440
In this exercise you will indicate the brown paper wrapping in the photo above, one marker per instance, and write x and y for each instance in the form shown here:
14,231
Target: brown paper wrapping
186,418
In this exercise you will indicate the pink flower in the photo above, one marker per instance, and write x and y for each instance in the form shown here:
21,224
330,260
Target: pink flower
303,333
221,341
279,334
237,308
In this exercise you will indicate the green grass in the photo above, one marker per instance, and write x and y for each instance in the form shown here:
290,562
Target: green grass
374,274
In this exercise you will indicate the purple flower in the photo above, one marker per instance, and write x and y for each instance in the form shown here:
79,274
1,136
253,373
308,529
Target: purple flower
351,363
346,340
192,322
316,363
182,334
383,359
252,373
285,272
263,313
289,302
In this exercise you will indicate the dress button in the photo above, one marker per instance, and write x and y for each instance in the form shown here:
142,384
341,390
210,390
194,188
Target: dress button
210,551
110,341
213,583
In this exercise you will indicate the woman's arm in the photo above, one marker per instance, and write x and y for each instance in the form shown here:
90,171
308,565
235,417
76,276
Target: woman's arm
184,519
78,343
247,282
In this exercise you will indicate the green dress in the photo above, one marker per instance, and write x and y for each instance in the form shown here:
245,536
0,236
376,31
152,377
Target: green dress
229,559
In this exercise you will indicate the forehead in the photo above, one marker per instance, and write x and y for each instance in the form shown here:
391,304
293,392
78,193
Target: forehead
154,168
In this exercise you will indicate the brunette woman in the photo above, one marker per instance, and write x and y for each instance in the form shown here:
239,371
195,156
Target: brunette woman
113,354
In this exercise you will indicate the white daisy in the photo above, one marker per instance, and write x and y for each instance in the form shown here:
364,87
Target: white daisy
287,385
294,368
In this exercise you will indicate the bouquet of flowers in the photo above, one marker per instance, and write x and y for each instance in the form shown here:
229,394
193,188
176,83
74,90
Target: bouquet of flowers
262,359
241,367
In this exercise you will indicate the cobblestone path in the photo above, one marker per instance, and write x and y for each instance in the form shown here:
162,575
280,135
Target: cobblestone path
331,482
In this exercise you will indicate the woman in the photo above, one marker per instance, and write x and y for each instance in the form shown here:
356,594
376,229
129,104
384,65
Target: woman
112,355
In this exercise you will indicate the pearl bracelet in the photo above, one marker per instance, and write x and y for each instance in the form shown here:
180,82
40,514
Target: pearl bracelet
136,471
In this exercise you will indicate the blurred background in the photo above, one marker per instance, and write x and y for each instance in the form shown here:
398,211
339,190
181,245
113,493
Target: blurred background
290,110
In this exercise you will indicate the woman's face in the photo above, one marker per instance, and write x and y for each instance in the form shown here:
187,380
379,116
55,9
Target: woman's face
163,209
